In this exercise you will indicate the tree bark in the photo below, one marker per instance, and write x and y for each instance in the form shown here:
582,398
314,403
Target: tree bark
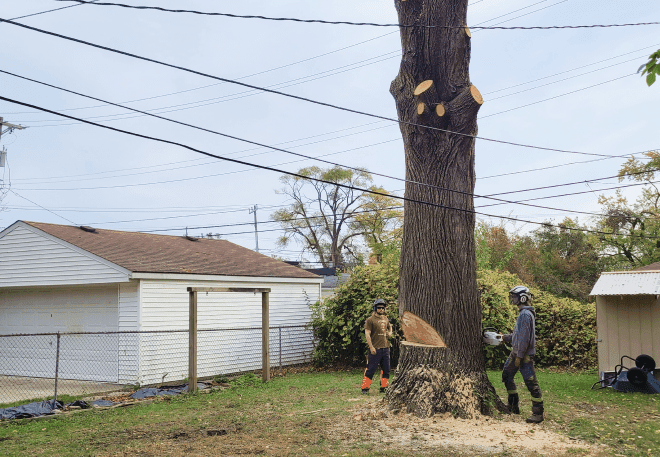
438,264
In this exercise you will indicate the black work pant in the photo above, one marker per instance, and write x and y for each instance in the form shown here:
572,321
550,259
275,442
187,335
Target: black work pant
529,376
382,358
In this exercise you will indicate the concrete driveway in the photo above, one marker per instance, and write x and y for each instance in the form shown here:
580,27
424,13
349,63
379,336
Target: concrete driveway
17,388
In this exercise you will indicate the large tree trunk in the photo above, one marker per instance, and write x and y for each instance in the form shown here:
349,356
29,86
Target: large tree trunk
438,265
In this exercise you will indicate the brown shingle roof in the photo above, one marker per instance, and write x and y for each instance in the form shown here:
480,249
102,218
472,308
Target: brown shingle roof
147,253
652,267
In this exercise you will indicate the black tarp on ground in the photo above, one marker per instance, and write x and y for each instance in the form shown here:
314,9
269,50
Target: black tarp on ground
157,392
41,408
46,407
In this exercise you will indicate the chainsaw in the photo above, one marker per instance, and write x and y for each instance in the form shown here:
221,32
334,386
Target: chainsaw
494,338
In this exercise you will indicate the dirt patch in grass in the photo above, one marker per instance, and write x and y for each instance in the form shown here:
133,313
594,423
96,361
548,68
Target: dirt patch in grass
481,435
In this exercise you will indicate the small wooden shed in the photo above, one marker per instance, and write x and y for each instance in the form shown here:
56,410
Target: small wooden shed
628,316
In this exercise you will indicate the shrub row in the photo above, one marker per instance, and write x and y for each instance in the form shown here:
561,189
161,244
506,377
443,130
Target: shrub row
565,328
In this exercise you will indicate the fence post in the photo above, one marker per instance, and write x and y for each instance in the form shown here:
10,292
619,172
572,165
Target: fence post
192,341
57,366
265,335
280,328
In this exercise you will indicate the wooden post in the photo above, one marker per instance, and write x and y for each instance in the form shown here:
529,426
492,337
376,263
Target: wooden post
265,334
192,341
265,337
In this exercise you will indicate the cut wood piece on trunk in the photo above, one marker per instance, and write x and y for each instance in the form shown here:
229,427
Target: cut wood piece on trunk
477,95
467,32
421,108
417,330
419,345
440,110
423,87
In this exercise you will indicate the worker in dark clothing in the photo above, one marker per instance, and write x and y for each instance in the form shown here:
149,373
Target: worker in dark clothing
523,340
377,330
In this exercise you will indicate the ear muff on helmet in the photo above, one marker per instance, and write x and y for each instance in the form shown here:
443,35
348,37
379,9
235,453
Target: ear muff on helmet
522,293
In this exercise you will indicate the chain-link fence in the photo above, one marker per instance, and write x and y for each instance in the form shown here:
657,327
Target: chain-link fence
47,365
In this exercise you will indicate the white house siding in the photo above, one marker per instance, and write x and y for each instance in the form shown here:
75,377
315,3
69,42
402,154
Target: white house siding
60,309
129,321
221,348
29,257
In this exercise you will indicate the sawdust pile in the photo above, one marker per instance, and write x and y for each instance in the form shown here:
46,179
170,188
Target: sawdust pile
431,389
478,435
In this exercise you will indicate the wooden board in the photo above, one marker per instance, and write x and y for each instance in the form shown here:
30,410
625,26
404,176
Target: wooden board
417,330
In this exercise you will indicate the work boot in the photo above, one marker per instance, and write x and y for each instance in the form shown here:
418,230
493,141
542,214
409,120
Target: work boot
537,413
513,404
365,391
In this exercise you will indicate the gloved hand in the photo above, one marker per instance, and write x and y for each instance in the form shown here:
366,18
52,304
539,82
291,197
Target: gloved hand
517,362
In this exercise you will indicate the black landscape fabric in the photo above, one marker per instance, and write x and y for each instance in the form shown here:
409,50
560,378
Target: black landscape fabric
157,392
41,408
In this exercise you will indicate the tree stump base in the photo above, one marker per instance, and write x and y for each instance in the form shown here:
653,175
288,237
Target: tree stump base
430,380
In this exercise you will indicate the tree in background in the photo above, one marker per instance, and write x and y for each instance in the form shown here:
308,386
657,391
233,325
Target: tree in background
330,220
380,221
651,68
559,259
635,228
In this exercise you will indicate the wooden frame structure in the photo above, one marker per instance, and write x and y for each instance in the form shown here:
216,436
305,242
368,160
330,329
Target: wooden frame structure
192,329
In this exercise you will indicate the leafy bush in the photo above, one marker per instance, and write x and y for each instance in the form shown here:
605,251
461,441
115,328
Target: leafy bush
338,321
565,328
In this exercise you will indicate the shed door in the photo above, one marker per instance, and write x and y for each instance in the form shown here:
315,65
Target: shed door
79,309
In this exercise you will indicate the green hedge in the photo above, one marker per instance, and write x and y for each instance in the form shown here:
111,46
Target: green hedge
565,328
338,321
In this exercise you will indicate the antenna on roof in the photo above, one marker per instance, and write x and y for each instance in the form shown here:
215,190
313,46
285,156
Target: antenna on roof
88,229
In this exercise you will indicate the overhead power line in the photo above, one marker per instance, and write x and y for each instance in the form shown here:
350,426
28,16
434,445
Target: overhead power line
323,55
370,24
264,167
335,164
50,11
296,97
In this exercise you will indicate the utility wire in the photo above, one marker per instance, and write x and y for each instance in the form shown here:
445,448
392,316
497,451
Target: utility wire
303,155
297,175
46,209
50,11
315,57
370,24
296,97
335,164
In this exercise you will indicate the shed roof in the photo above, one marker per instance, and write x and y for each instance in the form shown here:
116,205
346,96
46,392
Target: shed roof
149,253
636,282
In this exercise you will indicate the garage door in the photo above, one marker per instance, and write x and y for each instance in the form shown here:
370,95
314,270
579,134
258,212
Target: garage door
65,310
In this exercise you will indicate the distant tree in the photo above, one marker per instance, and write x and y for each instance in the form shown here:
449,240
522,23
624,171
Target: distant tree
555,258
651,68
330,220
635,227
381,220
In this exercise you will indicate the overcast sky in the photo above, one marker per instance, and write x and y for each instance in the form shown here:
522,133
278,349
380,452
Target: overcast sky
579,85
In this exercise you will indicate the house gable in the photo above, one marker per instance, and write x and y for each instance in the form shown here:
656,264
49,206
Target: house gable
30,257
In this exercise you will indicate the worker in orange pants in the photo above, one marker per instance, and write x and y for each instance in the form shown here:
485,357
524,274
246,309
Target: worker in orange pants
377,330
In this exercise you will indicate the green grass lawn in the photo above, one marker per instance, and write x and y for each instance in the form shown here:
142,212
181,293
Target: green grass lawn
305,413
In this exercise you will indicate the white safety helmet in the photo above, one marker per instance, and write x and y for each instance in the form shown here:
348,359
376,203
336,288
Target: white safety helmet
522,293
